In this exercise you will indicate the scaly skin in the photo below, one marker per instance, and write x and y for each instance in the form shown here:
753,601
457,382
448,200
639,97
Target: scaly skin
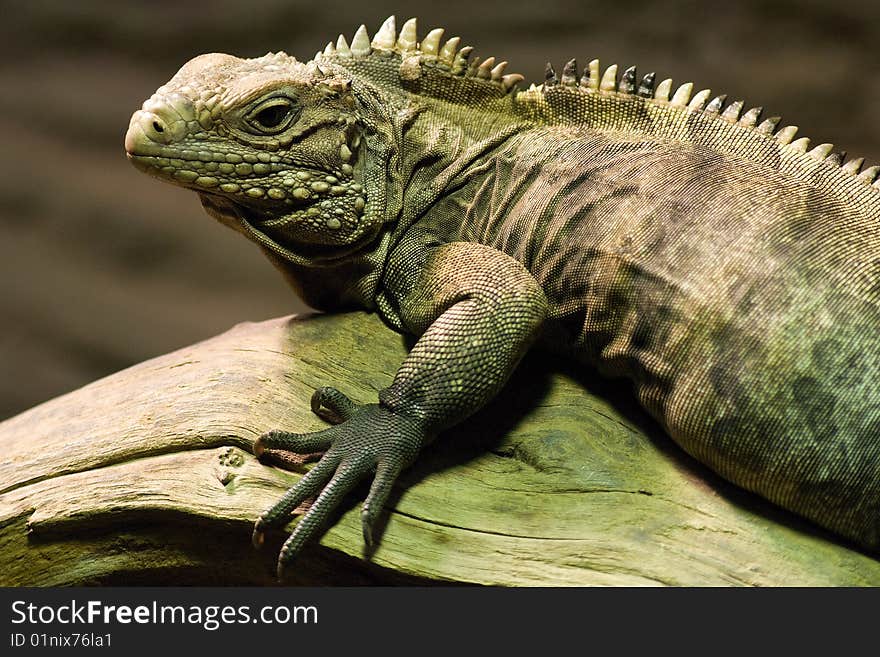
729,272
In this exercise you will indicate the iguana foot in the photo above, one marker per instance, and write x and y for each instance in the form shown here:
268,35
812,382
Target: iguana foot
366,438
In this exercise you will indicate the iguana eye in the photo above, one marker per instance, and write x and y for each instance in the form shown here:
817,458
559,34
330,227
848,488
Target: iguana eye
272,116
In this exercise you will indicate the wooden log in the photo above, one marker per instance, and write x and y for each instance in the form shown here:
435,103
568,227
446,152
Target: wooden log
146,477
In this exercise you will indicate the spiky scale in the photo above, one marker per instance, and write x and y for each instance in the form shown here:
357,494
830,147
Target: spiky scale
750,118
473,66
854,165
628,81
460,64
449,49
682,95
663,89
409,38
821,151
549,75
386,37
569,73
329,49
870,174
786,134
511,79
497,73
768,126
731,112
360,42
593,78
609,79
342,46
698,102
431,42
585,77
800,145
646,87
484,70
836,158
715,105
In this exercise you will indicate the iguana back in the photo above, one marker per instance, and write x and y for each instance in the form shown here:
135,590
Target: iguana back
741,301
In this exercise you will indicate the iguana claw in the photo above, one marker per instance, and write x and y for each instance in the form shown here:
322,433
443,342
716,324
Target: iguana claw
258,538
366,438
331,405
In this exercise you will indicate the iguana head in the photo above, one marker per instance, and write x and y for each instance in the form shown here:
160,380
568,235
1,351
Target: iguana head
272,145
279,149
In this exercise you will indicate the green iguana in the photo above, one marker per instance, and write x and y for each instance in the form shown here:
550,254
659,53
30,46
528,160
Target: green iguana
730,272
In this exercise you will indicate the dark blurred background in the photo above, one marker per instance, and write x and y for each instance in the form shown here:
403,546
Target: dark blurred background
103,267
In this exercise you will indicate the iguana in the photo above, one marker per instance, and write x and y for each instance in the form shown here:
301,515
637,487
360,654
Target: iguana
728,270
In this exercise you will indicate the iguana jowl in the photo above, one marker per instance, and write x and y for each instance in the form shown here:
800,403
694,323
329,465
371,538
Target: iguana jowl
729,271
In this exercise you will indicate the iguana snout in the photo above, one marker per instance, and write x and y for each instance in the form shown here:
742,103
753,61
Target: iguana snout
268,141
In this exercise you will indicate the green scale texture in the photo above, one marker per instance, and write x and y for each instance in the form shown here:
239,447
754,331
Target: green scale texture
731,274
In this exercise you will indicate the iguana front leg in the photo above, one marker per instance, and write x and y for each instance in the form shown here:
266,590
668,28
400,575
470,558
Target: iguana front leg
477,311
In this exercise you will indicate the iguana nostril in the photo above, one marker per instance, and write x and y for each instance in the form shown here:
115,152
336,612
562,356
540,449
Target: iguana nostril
149,129
155,127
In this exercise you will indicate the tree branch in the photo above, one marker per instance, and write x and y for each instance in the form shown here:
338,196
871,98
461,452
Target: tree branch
146,477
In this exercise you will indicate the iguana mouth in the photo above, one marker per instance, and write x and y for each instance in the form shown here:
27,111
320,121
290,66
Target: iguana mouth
228,211
252,182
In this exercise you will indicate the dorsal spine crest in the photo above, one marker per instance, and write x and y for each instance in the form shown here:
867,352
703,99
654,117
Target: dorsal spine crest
456,61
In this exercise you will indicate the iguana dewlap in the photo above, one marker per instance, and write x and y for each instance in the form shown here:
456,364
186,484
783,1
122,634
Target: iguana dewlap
731,272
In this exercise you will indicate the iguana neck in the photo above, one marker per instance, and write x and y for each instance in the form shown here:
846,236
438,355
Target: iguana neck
440,129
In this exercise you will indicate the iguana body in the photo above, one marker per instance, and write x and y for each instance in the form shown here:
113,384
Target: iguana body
732,275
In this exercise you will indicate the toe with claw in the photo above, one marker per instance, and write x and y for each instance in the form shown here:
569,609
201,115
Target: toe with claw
365,439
